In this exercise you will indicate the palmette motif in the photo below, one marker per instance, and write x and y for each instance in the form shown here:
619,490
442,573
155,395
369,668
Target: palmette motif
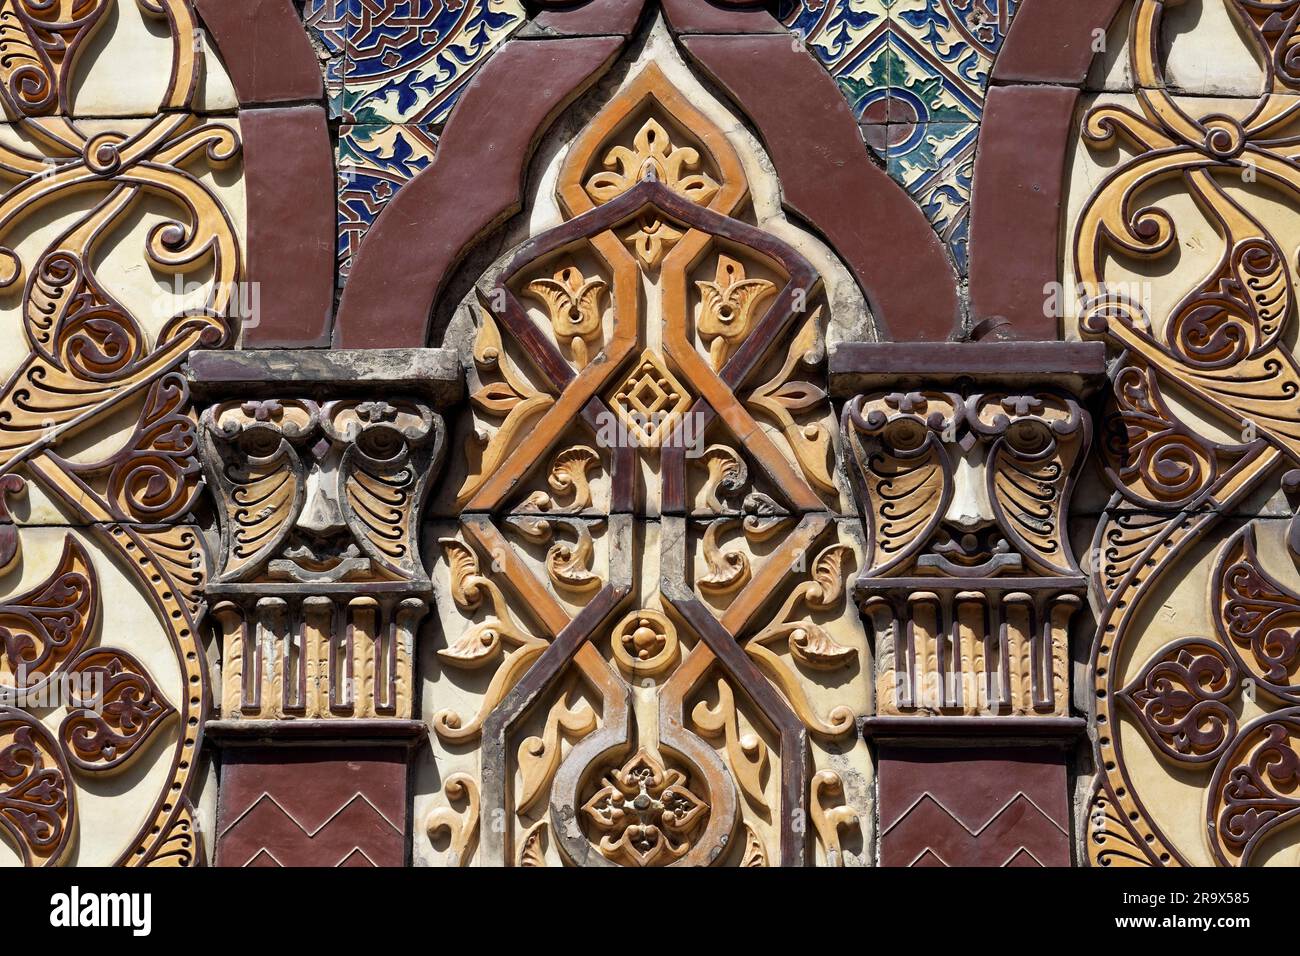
1220,351
634,699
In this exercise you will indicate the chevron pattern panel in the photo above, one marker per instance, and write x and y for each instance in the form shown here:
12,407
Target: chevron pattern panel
312,807
973,807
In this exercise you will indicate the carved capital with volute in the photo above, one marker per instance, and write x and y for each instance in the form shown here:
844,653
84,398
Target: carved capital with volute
963,467
320,463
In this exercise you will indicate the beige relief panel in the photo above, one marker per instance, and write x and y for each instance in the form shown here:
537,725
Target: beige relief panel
121,233
644,654
1181,236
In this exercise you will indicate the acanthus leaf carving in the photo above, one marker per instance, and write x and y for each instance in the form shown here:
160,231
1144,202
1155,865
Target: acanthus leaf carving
482,644
782,396
747,754
512,398
652,153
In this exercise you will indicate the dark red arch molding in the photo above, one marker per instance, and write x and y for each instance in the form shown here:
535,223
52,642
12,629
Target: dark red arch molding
288,168
1051,41
829,181
1022,160
477,180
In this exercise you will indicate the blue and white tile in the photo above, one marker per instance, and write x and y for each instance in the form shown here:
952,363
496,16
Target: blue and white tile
958,38
408,60
834,29
935,163
329,23
374,163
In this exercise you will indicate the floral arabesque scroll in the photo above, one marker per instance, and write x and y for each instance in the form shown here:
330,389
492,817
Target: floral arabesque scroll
89,357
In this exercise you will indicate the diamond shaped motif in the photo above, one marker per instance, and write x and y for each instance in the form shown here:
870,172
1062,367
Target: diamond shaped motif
651,401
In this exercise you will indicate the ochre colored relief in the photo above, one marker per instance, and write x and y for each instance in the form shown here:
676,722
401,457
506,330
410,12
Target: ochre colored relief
1201,421
90,361
653,673
677,518
971,580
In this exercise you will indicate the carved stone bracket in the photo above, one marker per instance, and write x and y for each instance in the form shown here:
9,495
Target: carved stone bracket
320,463
963,459
963,474
320,586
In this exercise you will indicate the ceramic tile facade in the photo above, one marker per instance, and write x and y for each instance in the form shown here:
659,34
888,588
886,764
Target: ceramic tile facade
329,23
914,72
1080,645
407,61
921,66
374,162
98,576
393,71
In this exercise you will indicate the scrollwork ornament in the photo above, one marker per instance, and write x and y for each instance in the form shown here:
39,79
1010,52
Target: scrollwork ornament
483,643
103,733
645,813
37,803
1258,617
1181,701
1252,794
1222,351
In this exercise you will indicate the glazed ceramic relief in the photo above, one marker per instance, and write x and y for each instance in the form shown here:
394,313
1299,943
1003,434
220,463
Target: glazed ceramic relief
646,655
121,224
662,488
1182,243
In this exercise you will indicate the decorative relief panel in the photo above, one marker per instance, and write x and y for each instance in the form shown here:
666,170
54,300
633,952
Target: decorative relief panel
1182,260
970,579
120,250
320,587
646,654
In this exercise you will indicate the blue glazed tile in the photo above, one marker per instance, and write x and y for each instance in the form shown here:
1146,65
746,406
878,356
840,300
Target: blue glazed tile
914,73
935,163
374,163
863,78
925,91
833,29
958,39
330,22
408,60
